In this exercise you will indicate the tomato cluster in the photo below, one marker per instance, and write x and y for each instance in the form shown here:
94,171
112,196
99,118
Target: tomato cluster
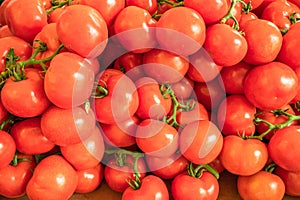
136,92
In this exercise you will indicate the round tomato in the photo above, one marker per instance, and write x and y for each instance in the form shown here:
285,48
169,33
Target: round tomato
7,148
291,181
150,5
184,88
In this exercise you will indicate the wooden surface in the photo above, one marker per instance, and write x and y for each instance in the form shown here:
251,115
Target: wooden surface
227,191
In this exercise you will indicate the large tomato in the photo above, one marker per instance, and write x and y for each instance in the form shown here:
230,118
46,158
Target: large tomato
7,148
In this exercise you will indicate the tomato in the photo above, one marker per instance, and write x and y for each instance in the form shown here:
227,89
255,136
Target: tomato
233,77
119,102
156,138
253,158
80,125
29,138
245,18
283,148
270,86
200,141
135,35
261,186
151,187
181,30
73,75
264,41
89,179
25,18
4,115
211,11
7,148
164,66
34,100
254,3
14,178
118,172
290,179
53,176
236,115
54,15
5,32
20,46
297,97
184,88
2,12
150,5
227,50
108,9
152,104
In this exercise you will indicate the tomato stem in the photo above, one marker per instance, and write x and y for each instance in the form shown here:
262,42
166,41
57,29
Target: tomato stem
10,120
293,19
178,4
270,168
58,4
198,171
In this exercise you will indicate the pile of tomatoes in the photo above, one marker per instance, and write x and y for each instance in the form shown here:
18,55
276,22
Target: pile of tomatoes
135,93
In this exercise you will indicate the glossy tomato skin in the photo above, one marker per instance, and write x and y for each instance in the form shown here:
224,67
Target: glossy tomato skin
13,179
283,148
152,187
29,138
201,141
34,100
245,18
243,157
90,27
5,32
291,181
261,186
279,83
53,176
150,5
25,27
188,187
7,148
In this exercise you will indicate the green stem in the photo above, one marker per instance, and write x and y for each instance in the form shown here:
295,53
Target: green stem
10,120
293,19
58,4
198,171
231,16
180,3
270,168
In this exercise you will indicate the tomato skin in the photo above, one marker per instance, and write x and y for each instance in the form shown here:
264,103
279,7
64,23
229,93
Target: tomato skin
279,83
53,175
261,186
34,100
5,32
184,88
291,181
2,12
251,161
286,140
176,33
152,187
7,148
255,3
13,179
189,188
25,27
245,18
263,45
29,138
91,33
200,141
149,5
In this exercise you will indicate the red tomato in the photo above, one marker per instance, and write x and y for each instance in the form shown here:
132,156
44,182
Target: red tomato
25,18
13,179
188,187
254,3
243,157
29,138
245,18
53,176
89,179
156,138
181,30
73,75
34,100
54,15
291,181
80,125
297,97
150,5
2,12
283,148
201,142
90,28
184,88
164,66
151,187
264,41
4,115
270,86
7,148
5,32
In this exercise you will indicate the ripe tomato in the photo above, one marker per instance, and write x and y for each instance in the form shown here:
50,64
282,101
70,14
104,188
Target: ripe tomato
270,86
261,186
53,176
245,18
283,148
25,18
156,138
184,88
243,157
13,179
181,30
291,181
227,50
150,5
151,187
264,41
7,148
29,138
90,28
200,141
34,100
2,12
5,32
73,75
254,3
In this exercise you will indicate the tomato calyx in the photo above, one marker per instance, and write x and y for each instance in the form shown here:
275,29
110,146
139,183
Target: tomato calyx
177,3
16,160
270,167
58,4
100,91
197,171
